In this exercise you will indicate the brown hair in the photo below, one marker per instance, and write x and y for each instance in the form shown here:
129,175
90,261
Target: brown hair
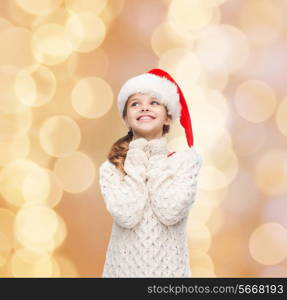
119,149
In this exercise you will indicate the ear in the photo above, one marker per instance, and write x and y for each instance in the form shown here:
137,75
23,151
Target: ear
168,120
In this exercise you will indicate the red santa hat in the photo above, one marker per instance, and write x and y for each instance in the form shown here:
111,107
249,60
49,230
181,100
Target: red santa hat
160,84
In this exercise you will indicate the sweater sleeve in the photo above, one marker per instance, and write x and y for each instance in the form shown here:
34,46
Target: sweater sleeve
172,183
125,196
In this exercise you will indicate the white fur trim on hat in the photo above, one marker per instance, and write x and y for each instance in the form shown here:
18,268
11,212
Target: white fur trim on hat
157,86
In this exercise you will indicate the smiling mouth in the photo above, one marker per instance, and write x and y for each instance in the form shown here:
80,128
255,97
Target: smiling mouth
145,118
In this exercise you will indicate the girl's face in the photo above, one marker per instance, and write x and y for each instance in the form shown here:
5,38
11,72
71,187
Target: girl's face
140,104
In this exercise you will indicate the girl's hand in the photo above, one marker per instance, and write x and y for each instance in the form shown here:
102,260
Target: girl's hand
157,147
139,143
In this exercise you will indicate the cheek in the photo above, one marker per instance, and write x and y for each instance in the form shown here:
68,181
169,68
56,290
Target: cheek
131,115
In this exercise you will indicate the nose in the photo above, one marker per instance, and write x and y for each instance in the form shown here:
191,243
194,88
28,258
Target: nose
145,107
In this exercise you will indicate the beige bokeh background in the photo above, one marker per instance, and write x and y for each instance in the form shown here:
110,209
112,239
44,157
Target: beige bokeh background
62,64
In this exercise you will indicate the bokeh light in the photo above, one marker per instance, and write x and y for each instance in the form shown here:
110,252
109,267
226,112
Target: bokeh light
39,7
262,21
35,85
188,15
273,252
93,90
14,148
75,6
270,173
35,227
59,136
75,172
51,44
85,31
255,101
12,178
27,263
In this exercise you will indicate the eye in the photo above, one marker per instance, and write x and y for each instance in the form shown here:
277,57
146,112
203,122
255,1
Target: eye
155,101
151,102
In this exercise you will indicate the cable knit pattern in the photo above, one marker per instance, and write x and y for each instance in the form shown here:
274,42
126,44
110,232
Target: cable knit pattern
150,206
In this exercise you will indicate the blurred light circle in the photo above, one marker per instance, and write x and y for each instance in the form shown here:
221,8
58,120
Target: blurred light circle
86,31
188,15
35,85
59,136
214,35
170,59
201,211
14,125
87,97
42,187
239,48
220,168
95,6
255,101
58,16
9,103
39,7
262,21
217,118
270,173
36,226
212,178
268,244
281,119
50,44
36,186
227,40
27,263
75,172
12,177
165,38
14,148
188,71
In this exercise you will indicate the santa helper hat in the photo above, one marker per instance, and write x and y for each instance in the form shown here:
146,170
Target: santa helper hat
160,84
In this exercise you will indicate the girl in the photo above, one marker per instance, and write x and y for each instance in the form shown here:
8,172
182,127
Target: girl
147,190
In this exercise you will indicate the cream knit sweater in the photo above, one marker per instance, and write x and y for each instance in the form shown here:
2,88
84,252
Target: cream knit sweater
149,207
